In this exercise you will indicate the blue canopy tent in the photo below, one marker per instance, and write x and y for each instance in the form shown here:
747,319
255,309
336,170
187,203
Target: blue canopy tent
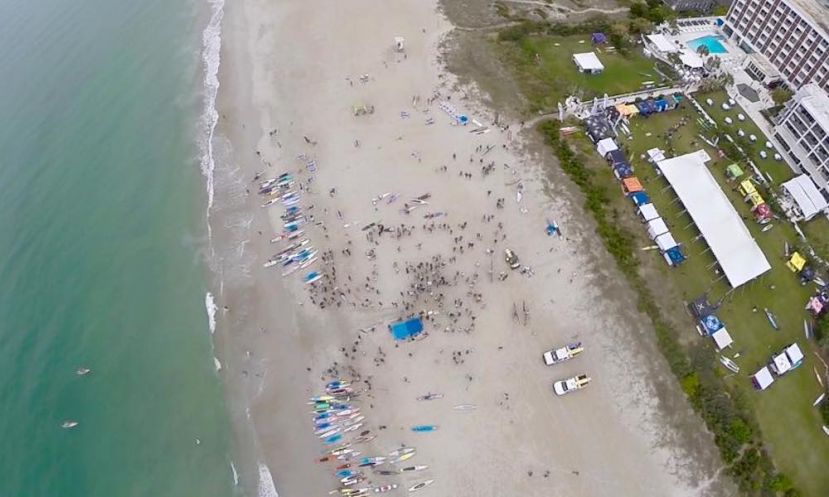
646,107
599,38
622,170
675,256
616,157
640,198
711,323
661,104
407,329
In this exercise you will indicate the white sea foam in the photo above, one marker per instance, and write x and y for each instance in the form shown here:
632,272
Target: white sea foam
211,53
217,364
235,474
266,486
210,305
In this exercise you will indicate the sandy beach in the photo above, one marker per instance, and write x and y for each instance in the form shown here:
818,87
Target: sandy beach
296,78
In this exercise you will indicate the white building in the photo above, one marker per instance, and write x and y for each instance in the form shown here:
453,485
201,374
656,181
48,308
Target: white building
790,39
802,130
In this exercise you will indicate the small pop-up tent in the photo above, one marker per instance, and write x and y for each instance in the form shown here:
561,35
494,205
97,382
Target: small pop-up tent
631,185
796,262
656,227
648,212
406,329
762,379
606,146
722,339
733,171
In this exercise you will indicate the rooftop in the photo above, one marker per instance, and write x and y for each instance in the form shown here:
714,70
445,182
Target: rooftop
815,100
817,10
716,218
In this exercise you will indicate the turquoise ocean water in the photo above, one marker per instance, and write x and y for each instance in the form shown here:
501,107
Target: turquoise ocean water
102,227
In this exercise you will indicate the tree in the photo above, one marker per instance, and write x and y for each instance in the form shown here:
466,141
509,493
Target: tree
638,10
640,25
713,63
703,51
781,95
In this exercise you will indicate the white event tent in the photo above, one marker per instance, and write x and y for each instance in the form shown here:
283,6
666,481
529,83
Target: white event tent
588,63
804,192
736,251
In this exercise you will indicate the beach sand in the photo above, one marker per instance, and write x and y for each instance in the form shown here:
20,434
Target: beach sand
291,74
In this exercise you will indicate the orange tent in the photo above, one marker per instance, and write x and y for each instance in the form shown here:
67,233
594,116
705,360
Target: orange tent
631,185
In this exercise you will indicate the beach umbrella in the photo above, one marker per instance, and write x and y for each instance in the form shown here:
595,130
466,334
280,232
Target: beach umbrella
778,157
752,138
741,132
769,145
741,117
728,120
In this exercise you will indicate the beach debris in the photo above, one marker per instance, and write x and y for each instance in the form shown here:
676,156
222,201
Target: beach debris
420,485
424,428
431,396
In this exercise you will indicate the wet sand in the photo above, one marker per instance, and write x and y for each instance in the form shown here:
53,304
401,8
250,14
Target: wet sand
292,74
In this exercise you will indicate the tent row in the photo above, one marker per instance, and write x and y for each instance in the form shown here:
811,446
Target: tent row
781,363
649,106
631,186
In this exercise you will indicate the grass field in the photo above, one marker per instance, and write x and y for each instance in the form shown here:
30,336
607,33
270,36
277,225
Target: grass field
546,73
791,426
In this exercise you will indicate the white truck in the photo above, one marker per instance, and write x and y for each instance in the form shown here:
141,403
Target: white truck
563,387
562,354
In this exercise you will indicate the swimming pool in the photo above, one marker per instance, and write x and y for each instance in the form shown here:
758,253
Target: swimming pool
712,42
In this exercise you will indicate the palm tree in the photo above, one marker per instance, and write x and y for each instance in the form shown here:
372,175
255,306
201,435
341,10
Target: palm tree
703,50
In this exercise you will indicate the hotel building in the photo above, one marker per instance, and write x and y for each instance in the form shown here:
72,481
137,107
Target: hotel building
788,39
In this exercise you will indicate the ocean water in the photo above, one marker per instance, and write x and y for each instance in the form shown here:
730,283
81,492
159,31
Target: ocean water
103,234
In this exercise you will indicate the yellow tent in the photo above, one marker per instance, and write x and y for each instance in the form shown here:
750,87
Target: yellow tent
796,262
747,188
755,199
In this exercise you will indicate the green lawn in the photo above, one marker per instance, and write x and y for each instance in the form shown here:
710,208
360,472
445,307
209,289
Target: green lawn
791,426
778,170
544,68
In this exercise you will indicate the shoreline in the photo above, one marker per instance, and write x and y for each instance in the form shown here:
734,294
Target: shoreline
276,346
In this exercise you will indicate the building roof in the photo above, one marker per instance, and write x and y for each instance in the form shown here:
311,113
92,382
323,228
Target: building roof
731,243
588,61
662,43
817,12
804,192
815,100
691,59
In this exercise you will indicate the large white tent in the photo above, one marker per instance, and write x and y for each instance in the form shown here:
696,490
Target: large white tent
731,243
804,192
656,227
662,43
606,146
588,63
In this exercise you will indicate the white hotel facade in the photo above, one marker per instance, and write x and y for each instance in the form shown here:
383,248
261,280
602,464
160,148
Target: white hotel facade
789,38
788,41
